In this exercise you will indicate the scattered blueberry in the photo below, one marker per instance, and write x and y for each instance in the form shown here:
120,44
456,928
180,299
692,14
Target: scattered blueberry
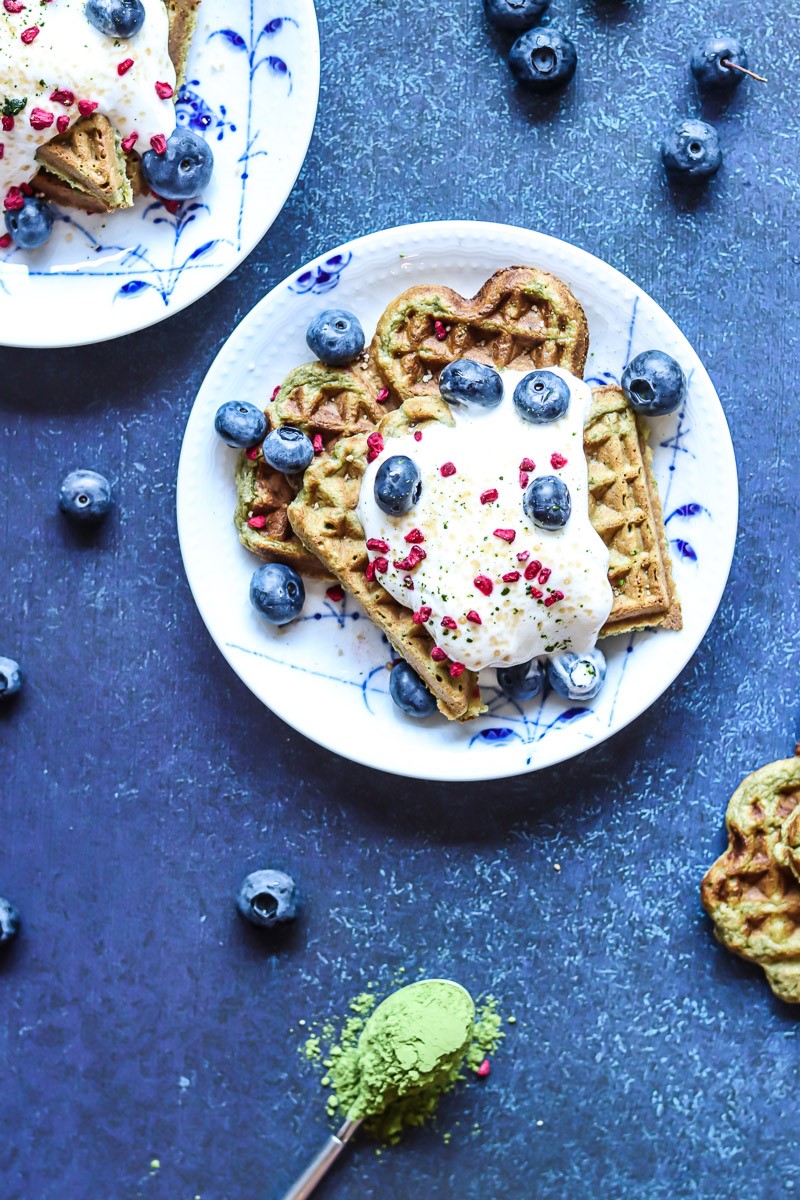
85,496
277,592
31,225
336,337
691,150
541,396
547,502
10,678
577,676
9,921
240,424
515,14
522,682
409,692
117,18
471,383
398,486
654,383
268,898
287,449
183,170
708,59
543,59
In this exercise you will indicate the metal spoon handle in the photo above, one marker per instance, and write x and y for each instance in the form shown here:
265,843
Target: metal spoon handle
319,1166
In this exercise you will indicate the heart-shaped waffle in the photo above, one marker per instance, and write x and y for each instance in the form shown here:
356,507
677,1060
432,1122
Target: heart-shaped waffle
752,892
521,318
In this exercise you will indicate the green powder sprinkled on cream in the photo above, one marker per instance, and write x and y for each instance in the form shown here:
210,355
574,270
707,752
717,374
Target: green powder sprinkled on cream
394,1067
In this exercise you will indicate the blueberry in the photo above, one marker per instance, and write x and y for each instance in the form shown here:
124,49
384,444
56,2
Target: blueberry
409,692
522,682
183,170
541,396
9,921
31,225
117,18
398,486
691,150
577,676
515,14
268,898
288,449
547,502
654,383
708,59
10,678
240,425
336,337
277,592
471,383
543,59
85,496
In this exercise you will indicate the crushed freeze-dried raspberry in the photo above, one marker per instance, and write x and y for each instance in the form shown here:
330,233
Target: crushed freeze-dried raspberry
375,441
523,556
418,435
489,495
14,199
62,123
335,593
527,464
507,535
544,574
440,331
5,241
484,1069
13,6
87,107
252,453
30,35
449,623
129,142
533,568
484,584
524,479
257,522
382,565
383,395
553,599
369,573
456,669
275,391
62,96
378,544
415,556
159,143
41,118
437,654
317,443
124,66
408,582
558,461
447,469
164,91
474,617
536,593
422,615
511,577
8,124
415,535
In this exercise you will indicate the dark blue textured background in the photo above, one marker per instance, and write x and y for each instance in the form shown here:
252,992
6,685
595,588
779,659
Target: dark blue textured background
140,780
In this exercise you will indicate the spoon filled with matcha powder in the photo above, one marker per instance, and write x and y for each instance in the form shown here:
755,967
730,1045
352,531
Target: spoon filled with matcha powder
415,1039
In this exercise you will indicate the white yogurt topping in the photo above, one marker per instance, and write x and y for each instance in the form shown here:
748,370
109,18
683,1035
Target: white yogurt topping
487,449
69,53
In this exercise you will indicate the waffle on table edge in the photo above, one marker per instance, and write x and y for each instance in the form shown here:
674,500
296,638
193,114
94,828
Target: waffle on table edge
85,167
752,891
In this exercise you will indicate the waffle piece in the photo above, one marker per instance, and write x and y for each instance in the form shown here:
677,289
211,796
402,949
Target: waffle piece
326,401
625,510
85,167
752,892
521,317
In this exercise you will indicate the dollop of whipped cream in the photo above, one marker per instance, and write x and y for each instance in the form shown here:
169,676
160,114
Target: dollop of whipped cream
490,586
66,62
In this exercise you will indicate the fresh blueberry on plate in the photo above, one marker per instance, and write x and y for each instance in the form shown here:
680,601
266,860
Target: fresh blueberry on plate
398,486
521,682
654,383
10,678
515,14
183,170
268,898
541,396
691,150
547,502
471,383
543,59
277,592
577,676
287,449
9,921
336,337
31,225
116,18
240,424
85,496
711,64
409,692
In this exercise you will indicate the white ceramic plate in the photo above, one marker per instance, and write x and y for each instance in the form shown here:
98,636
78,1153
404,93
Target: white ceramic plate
251,91
325,674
